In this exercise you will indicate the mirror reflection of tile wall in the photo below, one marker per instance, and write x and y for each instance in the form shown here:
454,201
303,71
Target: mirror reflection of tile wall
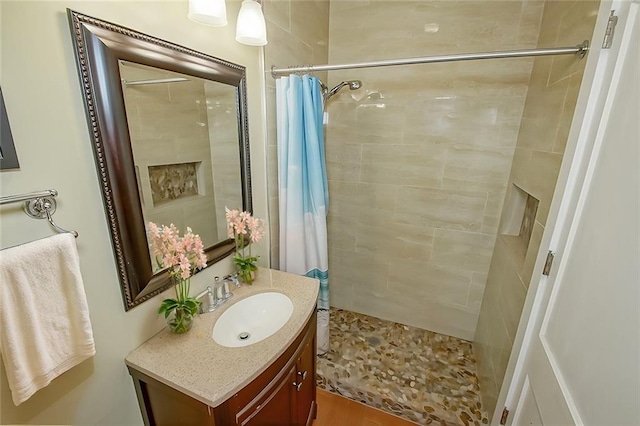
225,158
185,134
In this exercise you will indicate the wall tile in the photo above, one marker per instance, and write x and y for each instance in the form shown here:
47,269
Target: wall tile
341,231
429,282
343,161
285,49
452,320
310,21
466,251
277,12
395,240
576,25
476,290
353,274
566,116
438,208
477,169
418,165
368,203
541,118
511,300
529,28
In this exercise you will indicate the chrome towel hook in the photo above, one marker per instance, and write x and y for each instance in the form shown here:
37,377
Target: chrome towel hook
39,205
42,208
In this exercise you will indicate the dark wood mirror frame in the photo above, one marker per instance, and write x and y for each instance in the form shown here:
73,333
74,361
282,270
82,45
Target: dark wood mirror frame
99,46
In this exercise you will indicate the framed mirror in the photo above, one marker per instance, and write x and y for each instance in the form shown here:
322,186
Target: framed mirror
169,131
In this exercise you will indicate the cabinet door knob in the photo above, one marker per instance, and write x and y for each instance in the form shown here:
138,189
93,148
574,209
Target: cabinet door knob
303,374
297,385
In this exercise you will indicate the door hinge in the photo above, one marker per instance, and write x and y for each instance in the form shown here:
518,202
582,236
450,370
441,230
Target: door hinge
548,263
611,29
503,417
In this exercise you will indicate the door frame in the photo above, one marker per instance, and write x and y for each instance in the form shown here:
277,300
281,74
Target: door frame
580,145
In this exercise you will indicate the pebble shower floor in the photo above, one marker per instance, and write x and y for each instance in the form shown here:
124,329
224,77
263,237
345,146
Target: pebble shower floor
422,376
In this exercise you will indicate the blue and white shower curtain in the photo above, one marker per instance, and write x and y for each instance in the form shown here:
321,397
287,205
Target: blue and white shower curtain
303,190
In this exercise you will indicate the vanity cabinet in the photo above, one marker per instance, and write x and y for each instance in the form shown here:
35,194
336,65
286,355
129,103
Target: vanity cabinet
283,394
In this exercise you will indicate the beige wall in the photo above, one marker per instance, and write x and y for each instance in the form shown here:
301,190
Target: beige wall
44,102
418,159
548,111
298,34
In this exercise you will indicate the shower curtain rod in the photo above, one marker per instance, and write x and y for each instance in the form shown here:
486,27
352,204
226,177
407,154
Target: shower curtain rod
580,50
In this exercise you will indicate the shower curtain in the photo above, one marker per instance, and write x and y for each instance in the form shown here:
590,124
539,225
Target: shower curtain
303,190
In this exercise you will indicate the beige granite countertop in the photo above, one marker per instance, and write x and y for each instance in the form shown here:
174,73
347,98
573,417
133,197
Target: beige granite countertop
196,365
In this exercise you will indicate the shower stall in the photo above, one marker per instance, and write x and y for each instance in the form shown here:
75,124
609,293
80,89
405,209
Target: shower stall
440,180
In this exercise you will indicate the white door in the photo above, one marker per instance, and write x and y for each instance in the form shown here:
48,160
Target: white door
581,363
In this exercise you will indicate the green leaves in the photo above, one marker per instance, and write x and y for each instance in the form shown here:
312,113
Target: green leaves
189,305
246,265
246,262
167,306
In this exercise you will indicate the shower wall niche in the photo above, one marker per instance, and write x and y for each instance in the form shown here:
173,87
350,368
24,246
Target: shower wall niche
173,181
418,159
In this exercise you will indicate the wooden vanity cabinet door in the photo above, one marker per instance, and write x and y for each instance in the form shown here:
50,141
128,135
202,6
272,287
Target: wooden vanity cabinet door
263,401
306,379
280,408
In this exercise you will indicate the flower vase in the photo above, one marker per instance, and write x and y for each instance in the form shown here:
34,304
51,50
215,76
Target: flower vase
180,321
247,276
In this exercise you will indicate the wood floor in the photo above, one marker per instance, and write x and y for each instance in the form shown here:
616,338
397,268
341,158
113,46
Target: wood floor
335,410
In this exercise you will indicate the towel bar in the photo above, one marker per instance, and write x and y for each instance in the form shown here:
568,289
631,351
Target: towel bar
38,205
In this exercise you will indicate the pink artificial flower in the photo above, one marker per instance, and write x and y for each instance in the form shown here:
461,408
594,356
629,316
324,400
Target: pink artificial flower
180,255
185,266
201,261
256,236
240,226
255,229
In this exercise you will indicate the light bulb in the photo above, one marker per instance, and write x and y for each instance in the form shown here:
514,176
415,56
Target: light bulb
251,28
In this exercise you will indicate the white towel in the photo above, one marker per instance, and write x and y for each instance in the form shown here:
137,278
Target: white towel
44,318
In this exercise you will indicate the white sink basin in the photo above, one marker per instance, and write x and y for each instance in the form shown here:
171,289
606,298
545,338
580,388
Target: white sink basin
252,319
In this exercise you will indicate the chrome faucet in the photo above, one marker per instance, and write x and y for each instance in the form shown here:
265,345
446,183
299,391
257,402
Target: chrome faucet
217,295
212,300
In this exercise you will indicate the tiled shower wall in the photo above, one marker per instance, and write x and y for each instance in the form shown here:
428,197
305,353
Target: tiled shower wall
298,34
419,157
546,120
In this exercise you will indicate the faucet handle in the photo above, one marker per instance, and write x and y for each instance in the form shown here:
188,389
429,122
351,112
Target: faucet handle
233,278
226,293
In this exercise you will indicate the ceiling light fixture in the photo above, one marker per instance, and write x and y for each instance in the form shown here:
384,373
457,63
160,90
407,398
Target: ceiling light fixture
251,28
208,12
